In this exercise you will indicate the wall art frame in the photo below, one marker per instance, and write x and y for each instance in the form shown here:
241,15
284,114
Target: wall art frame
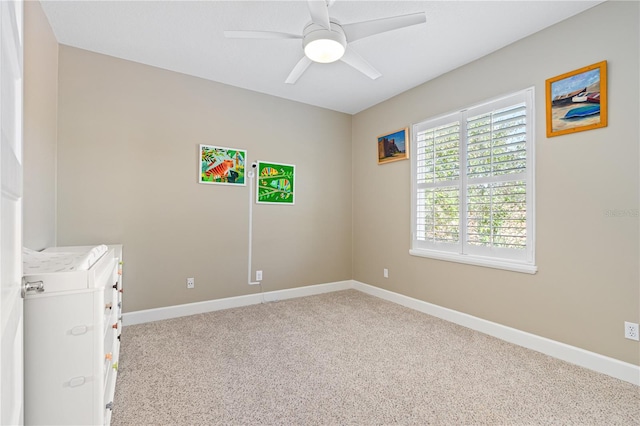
275,183
577,100
221,166
393,146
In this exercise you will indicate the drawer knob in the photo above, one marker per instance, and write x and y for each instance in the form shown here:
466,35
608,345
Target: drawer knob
77,381
108,306
79,330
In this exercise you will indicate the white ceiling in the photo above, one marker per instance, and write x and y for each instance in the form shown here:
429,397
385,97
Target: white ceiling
187,37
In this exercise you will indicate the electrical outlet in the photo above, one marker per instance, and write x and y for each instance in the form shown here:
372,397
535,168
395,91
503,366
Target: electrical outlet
631,331
385,273
191,283
258,275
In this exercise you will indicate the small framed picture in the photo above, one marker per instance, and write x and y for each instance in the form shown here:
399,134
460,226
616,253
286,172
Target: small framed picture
223,166
577,100
393,146
275,183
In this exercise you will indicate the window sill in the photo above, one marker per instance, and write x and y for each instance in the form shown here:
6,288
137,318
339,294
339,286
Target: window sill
476,260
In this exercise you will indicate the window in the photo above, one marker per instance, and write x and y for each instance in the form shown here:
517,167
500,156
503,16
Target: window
472,193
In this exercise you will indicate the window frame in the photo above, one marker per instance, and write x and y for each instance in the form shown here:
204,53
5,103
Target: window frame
462,252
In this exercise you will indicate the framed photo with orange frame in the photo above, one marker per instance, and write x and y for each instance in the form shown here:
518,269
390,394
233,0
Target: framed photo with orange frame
577,100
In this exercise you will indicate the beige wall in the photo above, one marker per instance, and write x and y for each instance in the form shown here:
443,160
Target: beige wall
127,173
128,137
588,282
40,128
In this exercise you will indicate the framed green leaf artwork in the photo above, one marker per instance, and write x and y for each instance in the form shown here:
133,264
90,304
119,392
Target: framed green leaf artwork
275,183
219,165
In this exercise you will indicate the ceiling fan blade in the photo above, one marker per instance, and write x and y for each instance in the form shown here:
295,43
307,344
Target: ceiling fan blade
260,34
319,13
358,30
297,71
356,61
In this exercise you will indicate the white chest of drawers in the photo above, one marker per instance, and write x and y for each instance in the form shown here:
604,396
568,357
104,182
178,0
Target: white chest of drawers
71,342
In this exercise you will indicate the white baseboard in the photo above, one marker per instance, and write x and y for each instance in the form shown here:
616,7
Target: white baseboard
149,315
590,360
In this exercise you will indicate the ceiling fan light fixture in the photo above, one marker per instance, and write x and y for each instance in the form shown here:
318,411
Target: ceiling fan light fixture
324,50
322,45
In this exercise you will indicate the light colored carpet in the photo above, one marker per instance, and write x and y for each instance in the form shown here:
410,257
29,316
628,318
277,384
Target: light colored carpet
346,358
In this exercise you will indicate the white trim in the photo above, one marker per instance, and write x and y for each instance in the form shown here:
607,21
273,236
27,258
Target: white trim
156,314
590,360
475,260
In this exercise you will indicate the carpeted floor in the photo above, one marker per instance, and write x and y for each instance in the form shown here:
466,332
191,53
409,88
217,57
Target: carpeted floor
346,358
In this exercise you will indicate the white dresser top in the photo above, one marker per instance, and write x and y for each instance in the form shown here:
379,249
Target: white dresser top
69,268
61,259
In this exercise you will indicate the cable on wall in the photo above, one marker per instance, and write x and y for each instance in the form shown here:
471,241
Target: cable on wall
251,175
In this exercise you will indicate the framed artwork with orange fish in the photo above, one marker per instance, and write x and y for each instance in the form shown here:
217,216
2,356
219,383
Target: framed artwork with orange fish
219,165
276,183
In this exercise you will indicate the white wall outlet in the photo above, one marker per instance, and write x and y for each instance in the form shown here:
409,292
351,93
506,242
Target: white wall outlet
258,275
191,283
385,273
631,331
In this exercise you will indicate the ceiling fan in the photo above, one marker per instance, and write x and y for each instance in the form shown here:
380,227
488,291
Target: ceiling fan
325,40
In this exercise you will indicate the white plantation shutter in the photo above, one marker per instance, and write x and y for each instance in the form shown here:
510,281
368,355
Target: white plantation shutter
472,177
438,184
